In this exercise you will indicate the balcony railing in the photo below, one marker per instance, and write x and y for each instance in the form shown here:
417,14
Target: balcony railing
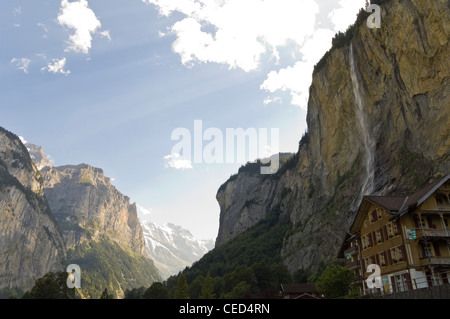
352,251
435,260
352,265
433,232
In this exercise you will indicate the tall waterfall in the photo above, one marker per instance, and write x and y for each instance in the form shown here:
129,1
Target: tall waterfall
366,134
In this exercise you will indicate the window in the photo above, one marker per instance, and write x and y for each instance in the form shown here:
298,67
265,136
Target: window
366,241
382,257
419,222
379,213
442,199
430,222
426,250
379,235
397,254
396,228
373,216
390,230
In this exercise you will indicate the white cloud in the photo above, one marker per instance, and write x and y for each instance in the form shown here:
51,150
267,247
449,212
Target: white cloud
344,16
177,162
106,34
21,64
44,27
57,66
79,17
241,34
143,211
17,11
297,78
236,32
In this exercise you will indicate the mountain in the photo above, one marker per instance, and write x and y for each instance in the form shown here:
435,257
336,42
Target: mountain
101,229
37,154
378,123
71,214
172,248
31,244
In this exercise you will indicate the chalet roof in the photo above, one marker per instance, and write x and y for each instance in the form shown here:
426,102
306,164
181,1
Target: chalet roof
390,203
298,288
397,205
422,195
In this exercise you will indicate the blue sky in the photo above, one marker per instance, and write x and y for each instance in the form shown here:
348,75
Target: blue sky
105,82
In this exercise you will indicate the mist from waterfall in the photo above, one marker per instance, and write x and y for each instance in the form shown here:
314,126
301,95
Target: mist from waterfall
367,139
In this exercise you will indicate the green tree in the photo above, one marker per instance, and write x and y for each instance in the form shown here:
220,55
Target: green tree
208,288
335,281
51,286
281,274
106,295
195,287
135,293
182,288
301,276
156,291
238,291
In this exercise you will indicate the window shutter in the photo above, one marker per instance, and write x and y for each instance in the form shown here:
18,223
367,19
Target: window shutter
408,281
398,227
402,250
386,237
374,216
389,257
393,284
437,251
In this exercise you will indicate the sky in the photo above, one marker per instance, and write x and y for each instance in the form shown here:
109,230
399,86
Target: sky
108,82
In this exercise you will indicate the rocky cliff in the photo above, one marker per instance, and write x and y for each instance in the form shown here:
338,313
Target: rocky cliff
86,206
101,229
378,122
37,154
31,244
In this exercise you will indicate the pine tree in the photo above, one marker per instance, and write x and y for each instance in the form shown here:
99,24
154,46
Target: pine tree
182,289
208,288
106,294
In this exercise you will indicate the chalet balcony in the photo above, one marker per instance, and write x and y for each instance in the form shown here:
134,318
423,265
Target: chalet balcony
351,250
435,261
433,233
352,265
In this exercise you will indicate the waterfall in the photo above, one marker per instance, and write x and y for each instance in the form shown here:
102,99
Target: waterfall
367,138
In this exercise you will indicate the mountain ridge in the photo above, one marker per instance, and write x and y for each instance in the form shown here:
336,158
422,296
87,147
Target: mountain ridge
172,247
402,71
31,244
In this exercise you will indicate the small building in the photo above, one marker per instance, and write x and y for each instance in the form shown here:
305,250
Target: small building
407,237
299,291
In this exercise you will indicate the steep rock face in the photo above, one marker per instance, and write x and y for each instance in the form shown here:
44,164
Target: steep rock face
101,229
401,80
172,248
37,154
247,197
31,244
86,206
